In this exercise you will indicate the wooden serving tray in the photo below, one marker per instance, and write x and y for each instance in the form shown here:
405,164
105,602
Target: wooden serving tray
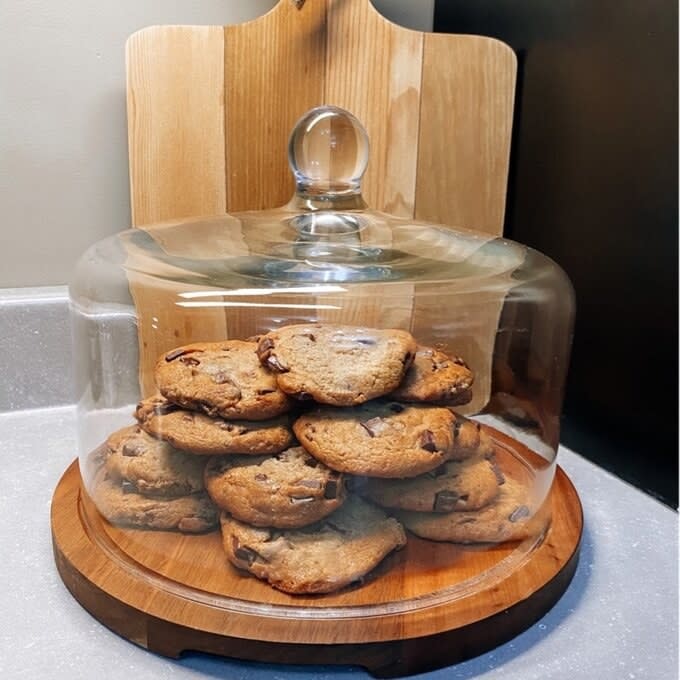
428,605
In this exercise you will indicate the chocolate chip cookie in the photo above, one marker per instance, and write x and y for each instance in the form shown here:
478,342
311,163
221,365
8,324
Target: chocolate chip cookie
320,558
291,489
193,514
506,518
334,364
456,485
437,378
151,466
200,434
387,439
221,379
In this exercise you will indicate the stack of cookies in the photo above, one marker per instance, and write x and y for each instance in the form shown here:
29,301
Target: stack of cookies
152,474
374,446
147,483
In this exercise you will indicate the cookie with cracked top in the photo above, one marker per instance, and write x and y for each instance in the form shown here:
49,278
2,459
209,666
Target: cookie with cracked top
221,379
335,364
456,485
200,434
291,489
387,439
151,466
437,378
192,514
321,558
507,518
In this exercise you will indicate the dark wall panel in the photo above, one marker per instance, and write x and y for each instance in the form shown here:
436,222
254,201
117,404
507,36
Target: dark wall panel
594,184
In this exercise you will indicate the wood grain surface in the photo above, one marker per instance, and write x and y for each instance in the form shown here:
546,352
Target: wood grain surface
211,108
171,593
175,97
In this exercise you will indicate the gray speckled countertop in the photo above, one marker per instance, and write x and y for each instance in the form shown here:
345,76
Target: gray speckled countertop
617,621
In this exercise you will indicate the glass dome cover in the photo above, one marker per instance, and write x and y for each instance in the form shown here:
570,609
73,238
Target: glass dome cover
484,319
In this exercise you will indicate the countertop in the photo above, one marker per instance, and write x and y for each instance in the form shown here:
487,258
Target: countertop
618,619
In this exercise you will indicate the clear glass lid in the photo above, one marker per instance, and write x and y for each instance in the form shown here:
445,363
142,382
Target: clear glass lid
437,351
325,235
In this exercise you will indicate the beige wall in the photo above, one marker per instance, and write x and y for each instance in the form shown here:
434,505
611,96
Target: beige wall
63,148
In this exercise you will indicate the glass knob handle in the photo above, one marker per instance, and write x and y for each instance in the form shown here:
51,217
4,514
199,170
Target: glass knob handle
328,153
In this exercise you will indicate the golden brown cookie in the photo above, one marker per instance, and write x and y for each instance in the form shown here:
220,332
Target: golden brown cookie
505,519
291,489
320,558
436,378
191,514
456,485
387,439
200,434
334,364
151,466
221,379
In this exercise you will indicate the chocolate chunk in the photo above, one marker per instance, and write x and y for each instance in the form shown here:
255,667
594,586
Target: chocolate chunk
311,462
366,341
396,408
266,390
331,490
246,554
261,477
274,363
310,336
445,501
264,350
458,396
371,426
427,441
132,450
265,344
519,513
171,356
190,361
128,487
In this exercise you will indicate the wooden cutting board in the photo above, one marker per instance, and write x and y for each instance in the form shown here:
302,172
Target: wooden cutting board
210,109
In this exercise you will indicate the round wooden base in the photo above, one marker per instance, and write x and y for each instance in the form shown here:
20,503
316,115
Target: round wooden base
171,593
